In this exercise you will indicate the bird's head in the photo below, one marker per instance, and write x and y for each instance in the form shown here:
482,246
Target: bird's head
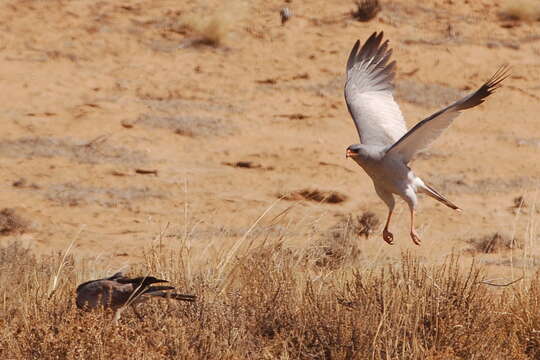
354,151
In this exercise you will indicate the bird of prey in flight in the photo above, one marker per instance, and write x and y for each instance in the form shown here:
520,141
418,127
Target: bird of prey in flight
386,146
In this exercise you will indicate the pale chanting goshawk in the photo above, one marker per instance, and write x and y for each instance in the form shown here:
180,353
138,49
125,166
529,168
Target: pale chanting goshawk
386,146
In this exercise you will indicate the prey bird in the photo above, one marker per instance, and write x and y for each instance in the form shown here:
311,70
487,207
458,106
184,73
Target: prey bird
118,291
386,146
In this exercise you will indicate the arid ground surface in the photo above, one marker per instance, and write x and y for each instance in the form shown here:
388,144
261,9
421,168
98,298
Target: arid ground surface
204,143
121,124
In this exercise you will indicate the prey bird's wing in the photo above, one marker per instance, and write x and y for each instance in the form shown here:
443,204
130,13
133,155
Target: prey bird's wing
427,130
368,93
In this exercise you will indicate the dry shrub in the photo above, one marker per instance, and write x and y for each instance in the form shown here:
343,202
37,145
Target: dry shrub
273,305
215,27
366,10
366,224
520,10
11,222
329,197
521,205
493,243
338,248
519,202
341,245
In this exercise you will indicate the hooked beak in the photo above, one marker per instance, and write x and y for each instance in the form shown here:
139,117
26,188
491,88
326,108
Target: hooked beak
349,154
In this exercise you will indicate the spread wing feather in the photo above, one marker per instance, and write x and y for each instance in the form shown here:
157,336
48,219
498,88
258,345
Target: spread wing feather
427,130
368,93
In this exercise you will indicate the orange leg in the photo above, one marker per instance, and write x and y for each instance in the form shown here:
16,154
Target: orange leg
387,235
414,235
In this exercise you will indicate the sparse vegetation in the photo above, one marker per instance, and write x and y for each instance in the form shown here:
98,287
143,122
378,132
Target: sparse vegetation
528,10
330,197
519,202
272,304
248,165
340,246
91,152
494,243
93,98
187,125
337,247
70,194
214,27
11,222
366,9
367,224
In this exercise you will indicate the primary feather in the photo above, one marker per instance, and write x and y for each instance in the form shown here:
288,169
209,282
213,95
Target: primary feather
427,130
368,93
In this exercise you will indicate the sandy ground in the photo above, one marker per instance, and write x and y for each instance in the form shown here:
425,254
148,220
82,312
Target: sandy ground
94,91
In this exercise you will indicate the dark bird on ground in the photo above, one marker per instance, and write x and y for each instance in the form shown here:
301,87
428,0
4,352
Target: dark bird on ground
118,291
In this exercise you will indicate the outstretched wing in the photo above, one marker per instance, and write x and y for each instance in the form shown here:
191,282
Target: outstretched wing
426,131
368,93
115,277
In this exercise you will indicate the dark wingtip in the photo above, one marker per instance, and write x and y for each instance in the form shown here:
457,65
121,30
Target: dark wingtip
183,297
156,280
352,55
496,80
487,89
142,280
373,56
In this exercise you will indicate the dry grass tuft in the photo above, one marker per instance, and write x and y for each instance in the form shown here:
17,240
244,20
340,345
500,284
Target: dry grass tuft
338,247
329,197
367,224
341,245
519,202
366,10
494,243
358,226
214,28
11,222
528,10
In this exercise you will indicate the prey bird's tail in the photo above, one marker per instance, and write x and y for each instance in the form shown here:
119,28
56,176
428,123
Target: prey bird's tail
428,190
161,291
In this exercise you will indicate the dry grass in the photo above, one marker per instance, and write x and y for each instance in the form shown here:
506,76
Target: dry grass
341,245
214,27
11,222
528,10
366,9
338,247
493,243
271,303
322,196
